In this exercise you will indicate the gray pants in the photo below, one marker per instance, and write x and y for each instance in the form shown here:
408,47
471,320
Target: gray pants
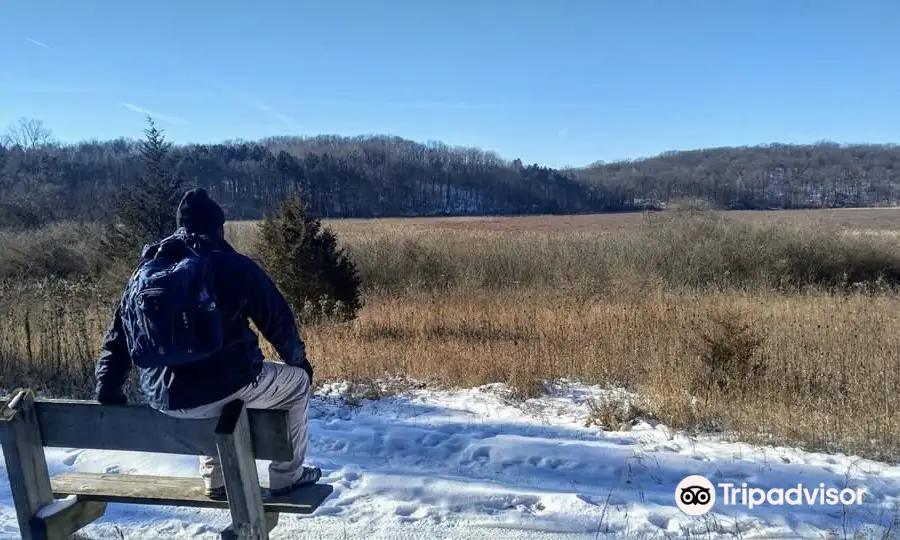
280,386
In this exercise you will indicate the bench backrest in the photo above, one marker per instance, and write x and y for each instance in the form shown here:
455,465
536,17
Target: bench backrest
87,424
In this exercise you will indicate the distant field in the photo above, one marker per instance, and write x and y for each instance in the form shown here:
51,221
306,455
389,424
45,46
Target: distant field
848,218
755,250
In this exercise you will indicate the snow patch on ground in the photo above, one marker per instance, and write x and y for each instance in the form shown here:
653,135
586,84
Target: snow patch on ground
474,464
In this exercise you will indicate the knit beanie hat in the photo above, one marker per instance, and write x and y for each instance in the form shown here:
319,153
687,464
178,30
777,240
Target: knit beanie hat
197,213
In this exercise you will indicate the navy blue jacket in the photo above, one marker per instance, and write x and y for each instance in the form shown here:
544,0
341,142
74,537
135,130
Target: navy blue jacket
243,293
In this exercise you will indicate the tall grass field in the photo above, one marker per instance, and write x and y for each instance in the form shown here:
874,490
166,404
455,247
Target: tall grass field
778,327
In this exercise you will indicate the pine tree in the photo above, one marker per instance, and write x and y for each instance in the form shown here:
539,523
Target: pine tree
318,278
145,212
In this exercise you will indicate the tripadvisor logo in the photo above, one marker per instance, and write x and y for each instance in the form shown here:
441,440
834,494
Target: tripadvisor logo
695,495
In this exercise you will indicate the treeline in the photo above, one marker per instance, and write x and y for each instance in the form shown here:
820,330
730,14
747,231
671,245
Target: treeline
380,176
776,176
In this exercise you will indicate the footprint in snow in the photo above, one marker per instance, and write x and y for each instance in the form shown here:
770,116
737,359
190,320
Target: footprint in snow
433,439
505,503
411,514
482,454
545,462
553,463
349,480
333,445
659,520
404,510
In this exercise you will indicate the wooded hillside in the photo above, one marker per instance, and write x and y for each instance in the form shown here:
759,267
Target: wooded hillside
377,176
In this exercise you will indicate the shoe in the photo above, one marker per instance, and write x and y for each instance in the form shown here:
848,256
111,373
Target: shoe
217,493
310,476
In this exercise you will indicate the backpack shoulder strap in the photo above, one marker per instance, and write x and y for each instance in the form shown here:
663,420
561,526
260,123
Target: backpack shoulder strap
177,247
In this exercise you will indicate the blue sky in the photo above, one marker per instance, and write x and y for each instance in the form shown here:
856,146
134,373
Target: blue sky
558,82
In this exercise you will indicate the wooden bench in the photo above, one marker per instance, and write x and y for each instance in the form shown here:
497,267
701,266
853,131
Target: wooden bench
53,508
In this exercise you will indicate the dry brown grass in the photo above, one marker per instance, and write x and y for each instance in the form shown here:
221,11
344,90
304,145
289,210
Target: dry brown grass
684,312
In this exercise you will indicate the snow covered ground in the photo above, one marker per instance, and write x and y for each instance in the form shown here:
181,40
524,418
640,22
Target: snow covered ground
472,465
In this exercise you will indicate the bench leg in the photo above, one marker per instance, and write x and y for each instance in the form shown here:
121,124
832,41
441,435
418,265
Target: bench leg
239,469
23,451
271,522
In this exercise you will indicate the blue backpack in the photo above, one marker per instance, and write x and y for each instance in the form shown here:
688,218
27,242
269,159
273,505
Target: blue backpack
168,313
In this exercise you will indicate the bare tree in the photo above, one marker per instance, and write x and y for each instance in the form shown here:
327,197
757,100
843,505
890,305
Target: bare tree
28,133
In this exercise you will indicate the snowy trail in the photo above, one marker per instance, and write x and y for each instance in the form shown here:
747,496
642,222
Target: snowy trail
467,464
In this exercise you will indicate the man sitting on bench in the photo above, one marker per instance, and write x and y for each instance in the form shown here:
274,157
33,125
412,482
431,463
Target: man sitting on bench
183,322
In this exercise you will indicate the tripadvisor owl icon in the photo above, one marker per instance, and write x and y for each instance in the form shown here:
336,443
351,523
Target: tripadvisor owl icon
695,495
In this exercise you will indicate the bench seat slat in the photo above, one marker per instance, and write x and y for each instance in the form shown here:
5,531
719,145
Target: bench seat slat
173,491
